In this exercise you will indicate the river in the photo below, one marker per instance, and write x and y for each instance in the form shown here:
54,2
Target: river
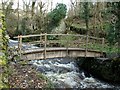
64,73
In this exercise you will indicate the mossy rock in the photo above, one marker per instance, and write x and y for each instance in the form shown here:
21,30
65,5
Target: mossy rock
108,70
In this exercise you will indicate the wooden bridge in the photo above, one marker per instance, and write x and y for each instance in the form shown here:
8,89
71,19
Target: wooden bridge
59,45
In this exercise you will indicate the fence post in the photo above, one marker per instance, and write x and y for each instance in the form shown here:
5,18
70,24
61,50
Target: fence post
67,45
86,45
103,42
40,40
20,44
45,42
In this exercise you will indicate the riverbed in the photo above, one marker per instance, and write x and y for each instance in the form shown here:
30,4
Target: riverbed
64,73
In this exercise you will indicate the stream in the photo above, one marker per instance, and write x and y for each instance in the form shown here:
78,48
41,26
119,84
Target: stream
64,73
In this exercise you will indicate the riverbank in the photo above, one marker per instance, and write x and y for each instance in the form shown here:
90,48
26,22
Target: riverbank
26,76
57,73
64,73
102,68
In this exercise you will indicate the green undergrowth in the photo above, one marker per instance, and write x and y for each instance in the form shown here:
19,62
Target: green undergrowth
49,85
3,73
3,53
99,47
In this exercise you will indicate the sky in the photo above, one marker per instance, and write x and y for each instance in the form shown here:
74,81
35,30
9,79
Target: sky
67,2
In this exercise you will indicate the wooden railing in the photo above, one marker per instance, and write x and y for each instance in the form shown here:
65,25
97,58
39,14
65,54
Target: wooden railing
60,40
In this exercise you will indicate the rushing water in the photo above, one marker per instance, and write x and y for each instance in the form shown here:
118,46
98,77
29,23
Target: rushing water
64,73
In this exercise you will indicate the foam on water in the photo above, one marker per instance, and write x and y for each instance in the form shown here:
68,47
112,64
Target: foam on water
14,43
63,72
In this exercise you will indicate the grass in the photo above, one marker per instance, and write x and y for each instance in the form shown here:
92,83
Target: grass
106,48
2,85
49,85
2,61
3,76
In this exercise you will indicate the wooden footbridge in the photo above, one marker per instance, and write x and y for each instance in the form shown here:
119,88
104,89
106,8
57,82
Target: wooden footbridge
59,45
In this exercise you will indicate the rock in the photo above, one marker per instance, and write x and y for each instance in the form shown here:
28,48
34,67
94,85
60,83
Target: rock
89,80
106,69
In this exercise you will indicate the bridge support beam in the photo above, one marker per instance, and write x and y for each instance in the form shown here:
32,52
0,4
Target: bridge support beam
59,52
45,43
86,45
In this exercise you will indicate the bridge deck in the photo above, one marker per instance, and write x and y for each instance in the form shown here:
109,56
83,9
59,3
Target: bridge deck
60,45
57,49
41,53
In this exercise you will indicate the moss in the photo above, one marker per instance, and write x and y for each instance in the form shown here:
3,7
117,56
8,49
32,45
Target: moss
3,57
2,61
108,70
2,85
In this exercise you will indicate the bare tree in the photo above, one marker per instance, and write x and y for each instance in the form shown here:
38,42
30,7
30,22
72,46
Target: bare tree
4,3
40,17
18,16
26,6
33,7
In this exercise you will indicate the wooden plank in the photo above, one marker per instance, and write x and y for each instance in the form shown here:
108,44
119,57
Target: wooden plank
20,45
45,46
82,39
76,35
27,36
59,49
103,42
86,45
60,52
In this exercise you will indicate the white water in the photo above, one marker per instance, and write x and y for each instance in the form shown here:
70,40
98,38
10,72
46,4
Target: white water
64,73
14,44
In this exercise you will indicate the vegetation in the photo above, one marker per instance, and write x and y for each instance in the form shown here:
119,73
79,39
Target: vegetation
82,17
55,16
8,70
98,19
86,15
114,27
107,70
4,55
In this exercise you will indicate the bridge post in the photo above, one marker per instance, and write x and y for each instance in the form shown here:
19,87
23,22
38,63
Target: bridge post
103,42
67,42
40,41
45,42
86,45
20,44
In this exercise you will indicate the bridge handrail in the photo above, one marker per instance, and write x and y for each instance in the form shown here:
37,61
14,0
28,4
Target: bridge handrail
37,35
85,38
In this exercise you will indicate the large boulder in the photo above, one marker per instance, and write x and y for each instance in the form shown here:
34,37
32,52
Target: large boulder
107,69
